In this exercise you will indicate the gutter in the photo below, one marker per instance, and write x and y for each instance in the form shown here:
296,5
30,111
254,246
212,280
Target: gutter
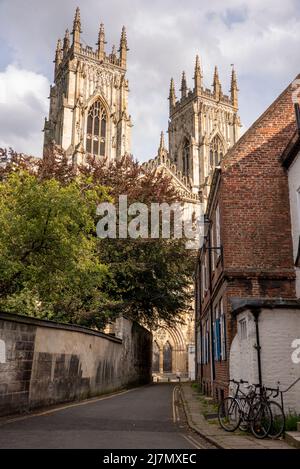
241,304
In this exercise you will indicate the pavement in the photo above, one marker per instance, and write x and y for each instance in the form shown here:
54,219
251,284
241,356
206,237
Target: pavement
212,432
148,417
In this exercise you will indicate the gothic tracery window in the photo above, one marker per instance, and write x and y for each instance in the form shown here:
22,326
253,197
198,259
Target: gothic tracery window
96,129
186,158
216,152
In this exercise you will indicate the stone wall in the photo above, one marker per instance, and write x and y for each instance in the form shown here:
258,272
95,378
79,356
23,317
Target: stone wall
44,363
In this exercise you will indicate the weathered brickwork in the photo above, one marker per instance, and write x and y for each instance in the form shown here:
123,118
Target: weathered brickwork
15,373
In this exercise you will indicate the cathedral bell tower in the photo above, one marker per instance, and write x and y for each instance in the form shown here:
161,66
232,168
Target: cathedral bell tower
203,125
89,98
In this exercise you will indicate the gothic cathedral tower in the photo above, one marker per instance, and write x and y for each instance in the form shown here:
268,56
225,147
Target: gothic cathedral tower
89,99
203,125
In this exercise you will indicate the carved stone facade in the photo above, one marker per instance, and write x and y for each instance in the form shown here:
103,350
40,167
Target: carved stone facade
89,115
173,347
162,162
89,99
173,350
203,125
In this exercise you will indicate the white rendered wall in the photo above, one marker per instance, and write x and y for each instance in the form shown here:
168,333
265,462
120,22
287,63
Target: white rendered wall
294,190
278,328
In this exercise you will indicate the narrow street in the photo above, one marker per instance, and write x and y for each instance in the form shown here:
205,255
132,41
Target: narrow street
150,417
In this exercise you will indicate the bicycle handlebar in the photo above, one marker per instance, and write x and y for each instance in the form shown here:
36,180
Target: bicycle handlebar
274,391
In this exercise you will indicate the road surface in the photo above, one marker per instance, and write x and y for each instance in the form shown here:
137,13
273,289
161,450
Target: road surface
149,417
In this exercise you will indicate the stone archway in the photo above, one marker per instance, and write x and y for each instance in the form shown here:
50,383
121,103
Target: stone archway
171,344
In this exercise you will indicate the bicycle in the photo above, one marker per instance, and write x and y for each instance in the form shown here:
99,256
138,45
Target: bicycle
244,411
278,416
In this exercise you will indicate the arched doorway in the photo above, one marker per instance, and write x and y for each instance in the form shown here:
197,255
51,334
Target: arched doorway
167,358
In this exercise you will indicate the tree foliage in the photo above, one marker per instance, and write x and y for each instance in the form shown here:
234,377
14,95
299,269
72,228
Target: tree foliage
49,265
151,278
53,265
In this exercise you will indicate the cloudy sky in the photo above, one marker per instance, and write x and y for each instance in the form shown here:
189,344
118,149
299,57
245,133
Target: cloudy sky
261,37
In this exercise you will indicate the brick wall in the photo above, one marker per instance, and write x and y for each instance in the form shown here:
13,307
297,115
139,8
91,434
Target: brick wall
251,190
254,204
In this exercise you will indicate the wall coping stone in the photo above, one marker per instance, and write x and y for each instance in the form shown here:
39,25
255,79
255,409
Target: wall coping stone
56,325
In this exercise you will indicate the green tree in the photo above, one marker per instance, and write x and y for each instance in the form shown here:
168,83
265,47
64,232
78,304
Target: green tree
52,264
48,261
150,278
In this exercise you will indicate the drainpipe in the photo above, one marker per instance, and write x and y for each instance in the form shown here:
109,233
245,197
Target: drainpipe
199,308
213,373
257,346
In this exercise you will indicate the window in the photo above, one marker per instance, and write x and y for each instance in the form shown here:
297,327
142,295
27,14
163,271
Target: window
216,152
218,235
223,331
186,158
216,329
219,327
205,272
202,279
96,129
213,245
206,343
243,329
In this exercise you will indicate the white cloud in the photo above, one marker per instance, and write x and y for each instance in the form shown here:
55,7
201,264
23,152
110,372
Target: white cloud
261,37
23,105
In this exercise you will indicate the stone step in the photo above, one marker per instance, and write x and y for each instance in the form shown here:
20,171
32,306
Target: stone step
298,426
293,439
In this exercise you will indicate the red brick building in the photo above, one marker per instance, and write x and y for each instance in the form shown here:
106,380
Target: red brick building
247,251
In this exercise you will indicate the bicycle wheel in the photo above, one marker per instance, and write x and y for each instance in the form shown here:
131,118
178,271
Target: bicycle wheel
229,414
278,419
260,420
